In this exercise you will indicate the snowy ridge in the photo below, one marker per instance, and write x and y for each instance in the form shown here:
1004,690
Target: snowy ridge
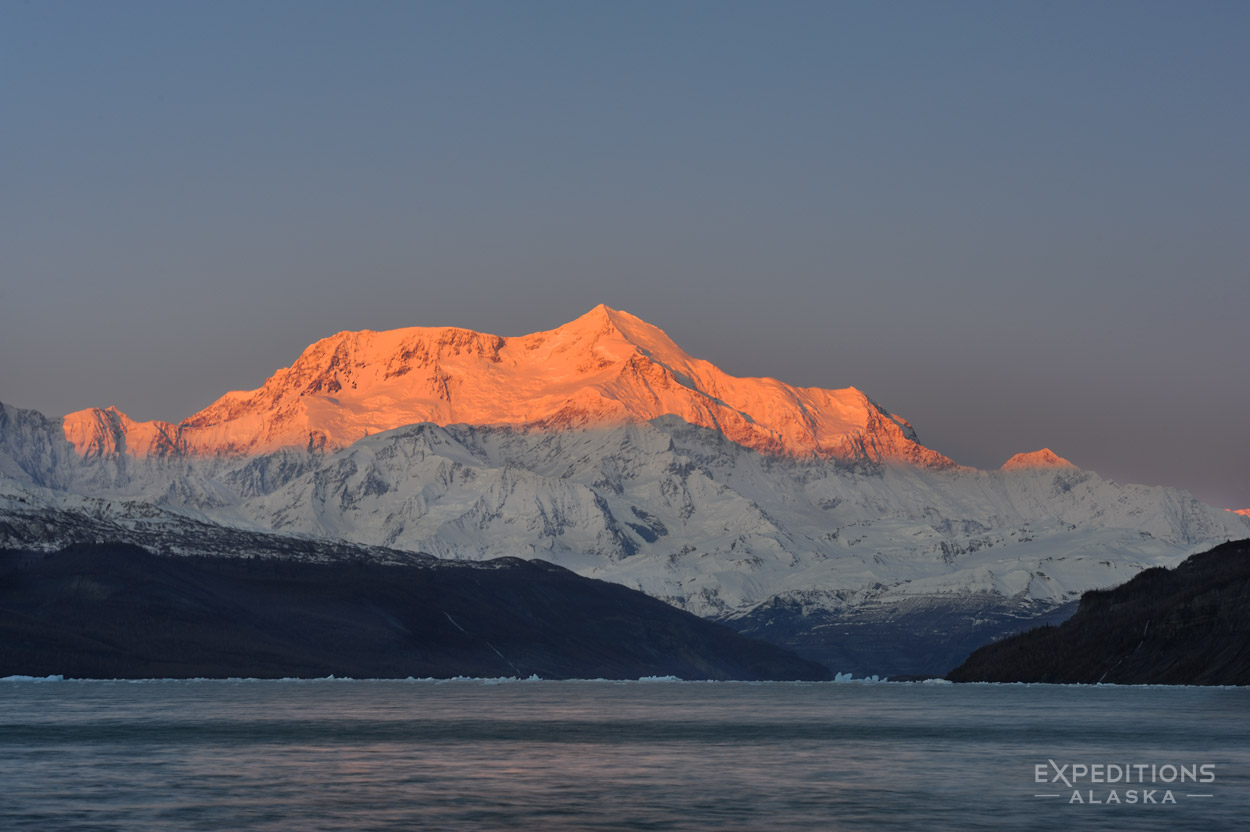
39,519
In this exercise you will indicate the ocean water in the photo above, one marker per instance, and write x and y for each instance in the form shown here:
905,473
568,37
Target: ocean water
539,755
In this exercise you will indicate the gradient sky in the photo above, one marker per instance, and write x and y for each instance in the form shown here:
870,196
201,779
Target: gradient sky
1016,224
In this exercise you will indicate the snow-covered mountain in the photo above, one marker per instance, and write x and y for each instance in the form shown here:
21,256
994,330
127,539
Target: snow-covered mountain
606,368
803,515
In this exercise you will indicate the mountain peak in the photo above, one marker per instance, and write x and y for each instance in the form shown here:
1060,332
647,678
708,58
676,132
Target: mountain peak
601,317
604,323
109,432
1045,458
604,368
600,312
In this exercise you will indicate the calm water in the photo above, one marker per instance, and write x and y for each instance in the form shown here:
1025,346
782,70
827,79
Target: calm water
471,755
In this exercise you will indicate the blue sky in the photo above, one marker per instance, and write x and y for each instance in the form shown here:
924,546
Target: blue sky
1017,224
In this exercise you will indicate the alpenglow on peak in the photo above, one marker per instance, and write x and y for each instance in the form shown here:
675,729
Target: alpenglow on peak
1045,458
604,368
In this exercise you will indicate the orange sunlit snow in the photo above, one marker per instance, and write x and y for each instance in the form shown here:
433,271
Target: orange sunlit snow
605,368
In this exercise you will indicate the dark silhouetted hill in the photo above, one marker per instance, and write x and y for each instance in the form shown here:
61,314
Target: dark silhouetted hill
1189,625
118,611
